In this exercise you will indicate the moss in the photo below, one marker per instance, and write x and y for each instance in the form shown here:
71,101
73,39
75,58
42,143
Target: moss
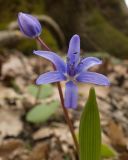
10,9
106,36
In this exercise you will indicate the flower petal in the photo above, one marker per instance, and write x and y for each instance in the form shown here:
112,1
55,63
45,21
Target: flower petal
91,77
88,62
71,95
54,58
50,77
29,25
74,50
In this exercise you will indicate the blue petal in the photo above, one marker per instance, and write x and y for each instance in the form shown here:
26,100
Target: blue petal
71,95
74,50
91,77
50,77
88,62
54,58
29,25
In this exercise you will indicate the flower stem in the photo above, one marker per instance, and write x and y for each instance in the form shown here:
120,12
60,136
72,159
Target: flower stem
62,99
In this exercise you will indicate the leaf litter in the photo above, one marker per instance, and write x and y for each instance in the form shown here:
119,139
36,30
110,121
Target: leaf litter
51,139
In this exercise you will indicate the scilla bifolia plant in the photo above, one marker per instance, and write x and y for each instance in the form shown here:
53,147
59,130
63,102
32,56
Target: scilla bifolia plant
74,71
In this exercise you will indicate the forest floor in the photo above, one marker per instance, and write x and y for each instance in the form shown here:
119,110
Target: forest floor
51,139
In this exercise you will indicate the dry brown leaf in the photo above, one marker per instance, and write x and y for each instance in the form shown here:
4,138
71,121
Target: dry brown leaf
9,146
116,134
10,123
39,152
43,133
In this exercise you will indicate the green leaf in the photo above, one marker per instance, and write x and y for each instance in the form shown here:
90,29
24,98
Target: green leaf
90,131
107,151
42,113
45,90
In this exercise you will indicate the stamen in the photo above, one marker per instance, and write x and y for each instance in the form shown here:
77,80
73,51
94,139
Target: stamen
71,78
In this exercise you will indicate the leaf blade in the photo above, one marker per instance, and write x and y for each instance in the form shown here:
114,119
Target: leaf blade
42,113
107,151
89,130
46,90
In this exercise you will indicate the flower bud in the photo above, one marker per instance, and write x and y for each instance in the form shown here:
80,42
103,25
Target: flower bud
29,25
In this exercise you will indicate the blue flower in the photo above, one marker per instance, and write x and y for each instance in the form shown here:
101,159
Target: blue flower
74,71
29,25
